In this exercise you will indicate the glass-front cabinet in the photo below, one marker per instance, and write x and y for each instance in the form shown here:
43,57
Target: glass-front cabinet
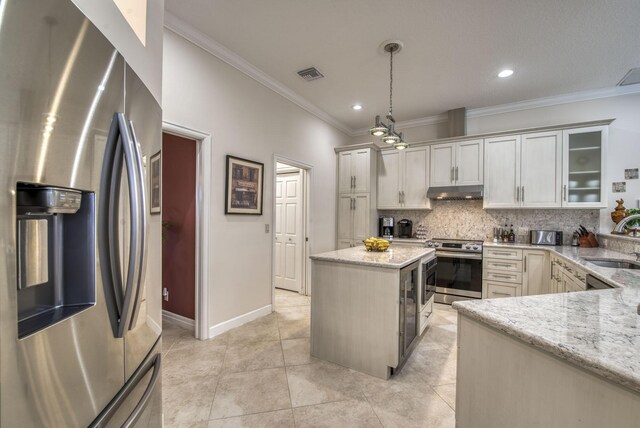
583,167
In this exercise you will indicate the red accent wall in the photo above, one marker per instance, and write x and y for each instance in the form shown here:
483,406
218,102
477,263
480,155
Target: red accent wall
179,209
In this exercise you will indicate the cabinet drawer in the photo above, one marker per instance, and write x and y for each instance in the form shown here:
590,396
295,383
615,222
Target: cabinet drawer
502,276
503,253
502,265
495,290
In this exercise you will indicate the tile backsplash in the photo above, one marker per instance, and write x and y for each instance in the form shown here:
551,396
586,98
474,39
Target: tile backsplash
467,220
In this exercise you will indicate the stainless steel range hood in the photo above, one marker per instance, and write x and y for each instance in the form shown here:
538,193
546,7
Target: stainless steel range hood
456,192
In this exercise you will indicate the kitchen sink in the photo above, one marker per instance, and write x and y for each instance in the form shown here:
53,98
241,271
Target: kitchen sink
614,263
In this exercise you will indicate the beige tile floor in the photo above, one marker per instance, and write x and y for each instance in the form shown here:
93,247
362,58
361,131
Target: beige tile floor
261,375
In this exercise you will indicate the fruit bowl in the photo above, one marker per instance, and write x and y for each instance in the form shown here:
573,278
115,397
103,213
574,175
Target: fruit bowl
376,244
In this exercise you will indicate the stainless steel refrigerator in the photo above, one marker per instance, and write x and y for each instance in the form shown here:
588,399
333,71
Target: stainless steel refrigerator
79,337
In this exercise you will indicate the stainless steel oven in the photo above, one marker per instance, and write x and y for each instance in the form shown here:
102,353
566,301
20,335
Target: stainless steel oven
458,270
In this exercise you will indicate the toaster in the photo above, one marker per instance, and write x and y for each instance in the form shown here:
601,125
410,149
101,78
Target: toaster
546,237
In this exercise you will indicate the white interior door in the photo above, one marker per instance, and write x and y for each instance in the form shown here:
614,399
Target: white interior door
288,232
278,232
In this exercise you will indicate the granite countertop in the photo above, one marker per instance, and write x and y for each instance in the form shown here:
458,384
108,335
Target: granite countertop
393,258
596,330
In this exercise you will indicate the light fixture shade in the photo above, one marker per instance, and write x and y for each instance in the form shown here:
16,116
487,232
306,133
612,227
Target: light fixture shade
400,145
391,139
378,131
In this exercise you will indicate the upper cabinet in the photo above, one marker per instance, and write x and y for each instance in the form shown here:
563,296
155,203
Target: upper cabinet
583,167
550,169
354,171
541,170
457,164
523,171
502,172
356,205
403,178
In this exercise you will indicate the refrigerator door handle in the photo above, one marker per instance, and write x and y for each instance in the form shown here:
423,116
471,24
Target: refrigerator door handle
148,393
135,235
112,408
142,256
108,206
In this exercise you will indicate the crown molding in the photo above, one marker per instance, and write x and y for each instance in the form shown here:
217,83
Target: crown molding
519,106
186,31
554,100
413,123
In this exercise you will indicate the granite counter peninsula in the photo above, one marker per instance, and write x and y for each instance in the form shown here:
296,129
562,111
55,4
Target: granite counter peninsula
357,311
553,360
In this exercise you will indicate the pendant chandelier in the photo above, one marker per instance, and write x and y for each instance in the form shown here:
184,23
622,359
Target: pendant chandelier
386,131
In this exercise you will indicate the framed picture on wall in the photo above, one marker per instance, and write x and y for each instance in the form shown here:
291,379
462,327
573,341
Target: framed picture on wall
243,186
155,184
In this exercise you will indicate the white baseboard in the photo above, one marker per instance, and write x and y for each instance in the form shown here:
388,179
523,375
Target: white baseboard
238,321
183,322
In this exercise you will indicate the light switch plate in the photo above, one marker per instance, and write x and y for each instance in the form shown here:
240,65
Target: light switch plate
266,228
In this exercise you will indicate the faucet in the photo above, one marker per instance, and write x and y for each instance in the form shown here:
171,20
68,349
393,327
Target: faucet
618,229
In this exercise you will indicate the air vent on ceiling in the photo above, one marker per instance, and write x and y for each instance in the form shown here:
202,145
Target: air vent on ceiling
310,74
631,78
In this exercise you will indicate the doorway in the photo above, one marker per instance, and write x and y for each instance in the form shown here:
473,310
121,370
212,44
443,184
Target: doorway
290,230
179,229
186,194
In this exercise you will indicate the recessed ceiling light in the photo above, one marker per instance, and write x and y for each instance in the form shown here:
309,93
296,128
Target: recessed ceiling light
505,73
357,106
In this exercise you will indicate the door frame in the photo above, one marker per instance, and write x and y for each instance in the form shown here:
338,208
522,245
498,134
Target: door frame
203,202
306,177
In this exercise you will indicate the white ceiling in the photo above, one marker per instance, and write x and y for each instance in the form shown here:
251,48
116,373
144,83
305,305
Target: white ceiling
452,52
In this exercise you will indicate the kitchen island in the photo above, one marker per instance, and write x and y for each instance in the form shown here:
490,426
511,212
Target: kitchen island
359,304
554,360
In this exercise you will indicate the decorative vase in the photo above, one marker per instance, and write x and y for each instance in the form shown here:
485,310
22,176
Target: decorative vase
619,212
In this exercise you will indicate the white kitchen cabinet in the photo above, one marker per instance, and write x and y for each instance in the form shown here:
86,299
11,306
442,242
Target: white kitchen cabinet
389,195
509,272
457,164
583,165
536,275
353,220
354,171
356,205
523,171
403,179
442,164
541,170
469,163
501,172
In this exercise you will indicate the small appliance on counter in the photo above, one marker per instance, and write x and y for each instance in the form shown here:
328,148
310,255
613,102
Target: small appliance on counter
385,227
546,237
404,228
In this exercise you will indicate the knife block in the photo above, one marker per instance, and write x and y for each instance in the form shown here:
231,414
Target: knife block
588,241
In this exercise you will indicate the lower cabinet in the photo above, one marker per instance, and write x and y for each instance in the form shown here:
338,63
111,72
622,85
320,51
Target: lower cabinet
536,272
514,272
509,272
500,289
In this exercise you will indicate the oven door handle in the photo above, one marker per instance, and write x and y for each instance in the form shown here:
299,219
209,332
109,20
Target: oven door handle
454,255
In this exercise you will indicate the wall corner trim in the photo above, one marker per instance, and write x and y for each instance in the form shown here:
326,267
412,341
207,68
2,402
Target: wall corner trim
238,321
186,31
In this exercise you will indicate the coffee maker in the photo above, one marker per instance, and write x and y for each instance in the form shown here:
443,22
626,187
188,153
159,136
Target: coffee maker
404,228
385,227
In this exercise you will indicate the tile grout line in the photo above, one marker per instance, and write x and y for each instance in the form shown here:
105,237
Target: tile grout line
219,378
286,373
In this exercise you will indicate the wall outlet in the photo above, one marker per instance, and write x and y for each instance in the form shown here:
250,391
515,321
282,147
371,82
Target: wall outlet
165,294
